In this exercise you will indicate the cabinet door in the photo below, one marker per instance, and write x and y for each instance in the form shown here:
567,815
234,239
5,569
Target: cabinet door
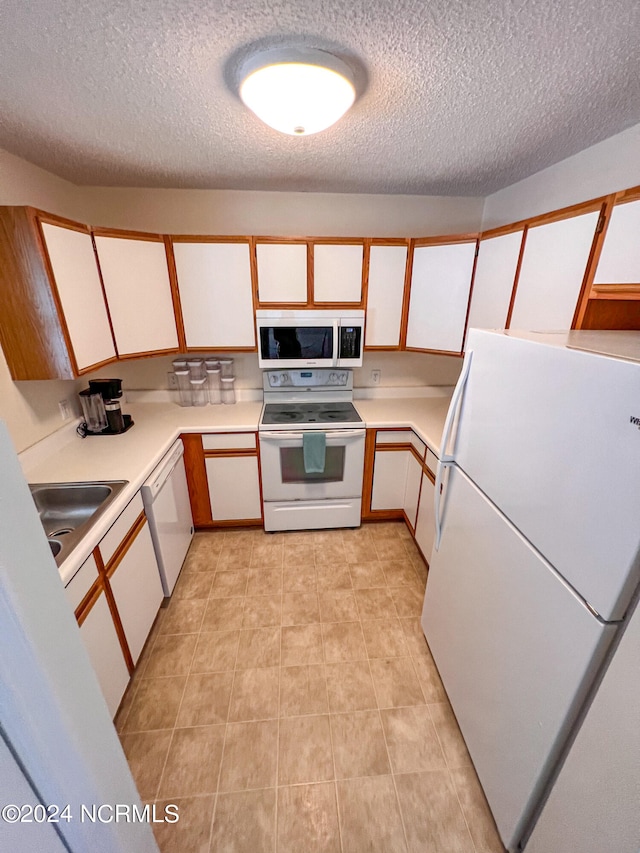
389,479
493,281
337,273
214,281
440,285
136,281
105,653
412,489
620,257
553,267
234,488
137,590
385,294
425,531
77,280
282,272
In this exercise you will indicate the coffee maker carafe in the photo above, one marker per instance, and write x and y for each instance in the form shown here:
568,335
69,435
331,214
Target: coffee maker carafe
101,408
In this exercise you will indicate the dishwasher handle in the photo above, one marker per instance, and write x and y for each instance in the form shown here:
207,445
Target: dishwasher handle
166,468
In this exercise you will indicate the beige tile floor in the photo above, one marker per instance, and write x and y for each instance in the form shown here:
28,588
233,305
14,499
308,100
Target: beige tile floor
287,702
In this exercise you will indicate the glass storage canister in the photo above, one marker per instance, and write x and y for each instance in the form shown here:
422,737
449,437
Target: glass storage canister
184,387
200,396
179,364
213,383
228,392
196,368
226,366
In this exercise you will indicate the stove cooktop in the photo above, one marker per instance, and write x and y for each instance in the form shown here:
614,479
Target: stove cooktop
309,414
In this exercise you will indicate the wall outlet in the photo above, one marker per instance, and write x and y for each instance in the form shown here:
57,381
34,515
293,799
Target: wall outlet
172,380
375,376
65,409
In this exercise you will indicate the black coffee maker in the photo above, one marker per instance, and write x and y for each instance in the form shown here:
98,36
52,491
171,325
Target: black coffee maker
113,421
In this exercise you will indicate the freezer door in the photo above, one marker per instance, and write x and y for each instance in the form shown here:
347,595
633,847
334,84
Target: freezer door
515,647
549,435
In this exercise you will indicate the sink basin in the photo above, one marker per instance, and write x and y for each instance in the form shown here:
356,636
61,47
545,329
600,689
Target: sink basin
68,510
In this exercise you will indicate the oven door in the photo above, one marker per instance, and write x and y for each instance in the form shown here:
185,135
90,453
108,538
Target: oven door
284,477
297,342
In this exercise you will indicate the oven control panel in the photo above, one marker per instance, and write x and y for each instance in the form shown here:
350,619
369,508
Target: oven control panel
340,379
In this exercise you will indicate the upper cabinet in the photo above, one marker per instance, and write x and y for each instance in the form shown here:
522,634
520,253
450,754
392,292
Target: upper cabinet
135,275
385,295
216,294
619,262
440,286
337,272
282,272
493,281
77,281
554,264
54,323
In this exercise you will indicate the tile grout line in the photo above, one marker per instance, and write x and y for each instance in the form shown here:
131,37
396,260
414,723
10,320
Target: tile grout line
275,833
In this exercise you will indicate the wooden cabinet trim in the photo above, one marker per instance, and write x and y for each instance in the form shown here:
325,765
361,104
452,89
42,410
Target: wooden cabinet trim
546,218
54,219
516,277
83,609
592,262
123,547
111,601
175,295
124,234
197,481
231,451
367,476
209,238
473,279
445,239
406,297
615,291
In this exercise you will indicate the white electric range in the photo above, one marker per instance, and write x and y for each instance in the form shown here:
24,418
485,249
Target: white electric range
296,496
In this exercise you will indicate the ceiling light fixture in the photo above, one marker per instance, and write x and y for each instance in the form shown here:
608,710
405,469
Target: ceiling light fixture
297,91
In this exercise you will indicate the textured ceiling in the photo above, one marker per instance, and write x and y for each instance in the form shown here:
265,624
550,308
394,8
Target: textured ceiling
455,98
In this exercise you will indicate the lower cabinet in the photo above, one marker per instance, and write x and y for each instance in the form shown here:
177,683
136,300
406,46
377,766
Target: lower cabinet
115,595
105,652
402,483
234,488
137,590
223,475
425,530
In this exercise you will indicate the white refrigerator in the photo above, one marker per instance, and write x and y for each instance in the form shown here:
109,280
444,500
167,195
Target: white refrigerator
537,555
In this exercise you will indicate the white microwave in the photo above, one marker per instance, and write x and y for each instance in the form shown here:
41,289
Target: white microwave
310,338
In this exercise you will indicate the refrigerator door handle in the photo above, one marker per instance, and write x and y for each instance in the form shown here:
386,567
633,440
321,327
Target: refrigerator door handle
438,502
453,410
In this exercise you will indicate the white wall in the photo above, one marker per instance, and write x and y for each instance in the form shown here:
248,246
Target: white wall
610,166
30,409
281,214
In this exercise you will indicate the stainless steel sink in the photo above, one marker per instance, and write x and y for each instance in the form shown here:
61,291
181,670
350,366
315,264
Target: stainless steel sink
69,510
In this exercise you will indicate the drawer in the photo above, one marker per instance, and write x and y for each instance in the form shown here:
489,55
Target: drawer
81,582
109,544
229,441
431,461
393,436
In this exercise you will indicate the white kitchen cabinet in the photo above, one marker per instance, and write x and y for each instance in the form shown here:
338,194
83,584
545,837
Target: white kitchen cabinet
389,479
105,653
440,285
385,295
553,267
137,590
425,530
412,489
493,281
77,280
216,294
136,280
234,487
337,272
620,257
282,272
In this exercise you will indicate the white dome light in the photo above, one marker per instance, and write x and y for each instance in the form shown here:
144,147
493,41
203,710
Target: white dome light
298,92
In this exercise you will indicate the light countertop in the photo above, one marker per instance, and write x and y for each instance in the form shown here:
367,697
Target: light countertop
65,457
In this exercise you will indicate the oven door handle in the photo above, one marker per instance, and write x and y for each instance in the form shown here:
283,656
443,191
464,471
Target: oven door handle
346,434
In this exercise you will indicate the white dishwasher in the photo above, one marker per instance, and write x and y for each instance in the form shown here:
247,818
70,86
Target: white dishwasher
166,501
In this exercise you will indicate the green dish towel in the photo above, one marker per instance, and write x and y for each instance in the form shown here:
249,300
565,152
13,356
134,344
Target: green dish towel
314,447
